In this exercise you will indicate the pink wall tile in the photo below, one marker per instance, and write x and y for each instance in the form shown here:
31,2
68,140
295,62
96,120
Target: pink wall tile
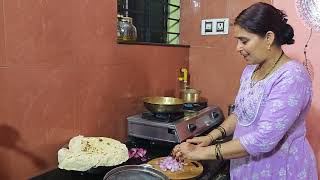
65,75
215,66
70,32
296,51
2,36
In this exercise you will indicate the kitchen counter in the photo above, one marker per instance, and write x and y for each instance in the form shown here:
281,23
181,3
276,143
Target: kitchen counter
212,169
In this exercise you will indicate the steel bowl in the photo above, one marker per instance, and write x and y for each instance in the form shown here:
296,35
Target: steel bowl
190,95
135,172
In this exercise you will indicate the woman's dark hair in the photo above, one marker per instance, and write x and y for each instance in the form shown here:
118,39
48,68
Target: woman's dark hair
261,17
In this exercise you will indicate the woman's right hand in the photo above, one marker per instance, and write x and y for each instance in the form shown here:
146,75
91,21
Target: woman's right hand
201,140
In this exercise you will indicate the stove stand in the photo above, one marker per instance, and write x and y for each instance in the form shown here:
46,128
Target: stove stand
192,124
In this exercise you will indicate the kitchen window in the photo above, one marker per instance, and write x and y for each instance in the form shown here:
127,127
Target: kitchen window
156,21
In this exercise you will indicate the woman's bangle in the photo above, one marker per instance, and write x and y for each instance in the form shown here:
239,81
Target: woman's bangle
222,131
211,137
218,152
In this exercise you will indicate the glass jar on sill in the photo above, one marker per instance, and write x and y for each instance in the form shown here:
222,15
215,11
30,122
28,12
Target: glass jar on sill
126,31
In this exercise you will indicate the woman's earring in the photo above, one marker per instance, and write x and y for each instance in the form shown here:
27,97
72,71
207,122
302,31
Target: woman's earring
269,48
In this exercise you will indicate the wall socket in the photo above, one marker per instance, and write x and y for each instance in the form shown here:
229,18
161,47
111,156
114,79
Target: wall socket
215,26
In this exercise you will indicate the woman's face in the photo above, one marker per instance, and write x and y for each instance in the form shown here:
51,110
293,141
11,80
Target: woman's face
252,47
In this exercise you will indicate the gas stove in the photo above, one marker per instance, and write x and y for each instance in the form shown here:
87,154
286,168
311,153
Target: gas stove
174,128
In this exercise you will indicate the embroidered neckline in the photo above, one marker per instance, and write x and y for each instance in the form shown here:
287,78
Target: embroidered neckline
271,75
252,83
258,98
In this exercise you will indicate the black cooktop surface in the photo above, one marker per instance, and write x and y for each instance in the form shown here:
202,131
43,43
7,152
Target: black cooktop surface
212,169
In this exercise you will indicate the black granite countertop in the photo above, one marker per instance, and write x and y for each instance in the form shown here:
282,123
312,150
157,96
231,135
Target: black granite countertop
212,169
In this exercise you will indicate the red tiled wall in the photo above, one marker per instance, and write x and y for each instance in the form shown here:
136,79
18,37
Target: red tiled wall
215,66
63,74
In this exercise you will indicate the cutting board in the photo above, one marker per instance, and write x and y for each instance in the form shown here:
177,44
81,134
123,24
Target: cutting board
191,169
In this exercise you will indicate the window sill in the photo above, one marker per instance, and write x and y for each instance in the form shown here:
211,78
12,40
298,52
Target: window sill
153,44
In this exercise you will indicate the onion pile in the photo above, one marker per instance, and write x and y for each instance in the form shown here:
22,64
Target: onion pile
170,163
138,153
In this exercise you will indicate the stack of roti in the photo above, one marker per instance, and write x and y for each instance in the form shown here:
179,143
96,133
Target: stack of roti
88,152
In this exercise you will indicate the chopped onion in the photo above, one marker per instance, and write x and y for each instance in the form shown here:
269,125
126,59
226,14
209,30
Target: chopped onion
138,153
170,163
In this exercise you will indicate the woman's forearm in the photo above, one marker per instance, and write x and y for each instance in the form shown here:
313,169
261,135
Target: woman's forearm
233,149
229,125
229,150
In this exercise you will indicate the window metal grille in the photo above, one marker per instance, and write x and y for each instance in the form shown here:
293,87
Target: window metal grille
156,20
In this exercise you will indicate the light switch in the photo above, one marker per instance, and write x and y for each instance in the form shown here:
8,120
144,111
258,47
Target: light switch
215,26
208,26
220,26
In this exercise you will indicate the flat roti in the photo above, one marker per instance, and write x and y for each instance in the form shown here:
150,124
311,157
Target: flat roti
88,152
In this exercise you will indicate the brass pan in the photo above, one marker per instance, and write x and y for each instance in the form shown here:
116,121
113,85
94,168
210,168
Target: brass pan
163,104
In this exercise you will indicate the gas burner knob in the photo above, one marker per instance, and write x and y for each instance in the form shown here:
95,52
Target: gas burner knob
192,127
214,115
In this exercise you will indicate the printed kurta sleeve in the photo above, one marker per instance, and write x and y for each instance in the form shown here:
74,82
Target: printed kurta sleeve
288,96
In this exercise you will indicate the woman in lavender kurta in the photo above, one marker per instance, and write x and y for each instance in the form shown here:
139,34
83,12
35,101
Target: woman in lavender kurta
274,97
271,125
